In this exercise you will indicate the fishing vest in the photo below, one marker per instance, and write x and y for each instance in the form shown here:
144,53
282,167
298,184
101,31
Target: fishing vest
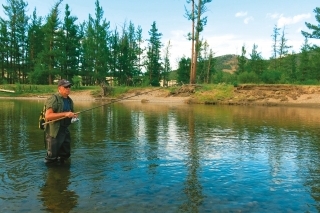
56,103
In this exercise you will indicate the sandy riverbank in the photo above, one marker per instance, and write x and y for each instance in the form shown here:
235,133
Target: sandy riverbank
242,95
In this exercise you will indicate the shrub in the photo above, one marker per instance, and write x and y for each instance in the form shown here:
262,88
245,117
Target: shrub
271,76
248,77
76,80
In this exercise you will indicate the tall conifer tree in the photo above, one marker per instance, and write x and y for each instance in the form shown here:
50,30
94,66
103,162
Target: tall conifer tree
242,60
283,50
35,40
153,55
256,63
96,51
70,46
315,33
275,39
47,63
198,23
17,21
4,49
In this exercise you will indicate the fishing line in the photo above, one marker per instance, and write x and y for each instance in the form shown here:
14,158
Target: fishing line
111,102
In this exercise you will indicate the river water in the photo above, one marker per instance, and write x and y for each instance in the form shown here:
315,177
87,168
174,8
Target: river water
144,157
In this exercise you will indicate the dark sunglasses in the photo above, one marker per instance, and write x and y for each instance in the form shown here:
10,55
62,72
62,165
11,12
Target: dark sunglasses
67,86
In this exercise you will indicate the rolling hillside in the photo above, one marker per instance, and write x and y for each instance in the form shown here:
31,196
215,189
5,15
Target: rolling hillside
226,63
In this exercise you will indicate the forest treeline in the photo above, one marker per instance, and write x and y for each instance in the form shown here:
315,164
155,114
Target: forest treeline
39,50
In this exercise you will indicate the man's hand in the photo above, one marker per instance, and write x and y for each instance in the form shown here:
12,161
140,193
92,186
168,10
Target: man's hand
71,115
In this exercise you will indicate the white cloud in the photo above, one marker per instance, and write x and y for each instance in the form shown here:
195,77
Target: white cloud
274,15
241,14
248,19
299,30
220,44
244,14
225,44
283,21
180,46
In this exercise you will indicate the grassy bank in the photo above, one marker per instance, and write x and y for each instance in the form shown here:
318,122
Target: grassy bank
26,90
213,92
200,94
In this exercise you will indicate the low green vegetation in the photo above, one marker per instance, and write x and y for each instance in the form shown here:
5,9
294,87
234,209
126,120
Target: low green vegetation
213,92
28,90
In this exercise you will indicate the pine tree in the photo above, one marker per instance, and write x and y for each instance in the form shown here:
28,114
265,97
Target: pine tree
128,57
275,44
315,28
81,61
291,66
124,60
198,23
140,50
283,50
96,51
210,67
206,63
35,40
201,22
114,53
315,33
201,61
17,29
133,51
153,61
47,63
183,71
242,60
256,63
70,45
4,49
304,65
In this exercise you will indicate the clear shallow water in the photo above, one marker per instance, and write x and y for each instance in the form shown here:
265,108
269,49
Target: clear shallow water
134,157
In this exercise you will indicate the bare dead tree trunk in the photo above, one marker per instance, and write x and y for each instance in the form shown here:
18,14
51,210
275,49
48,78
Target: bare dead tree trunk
196,52
192,47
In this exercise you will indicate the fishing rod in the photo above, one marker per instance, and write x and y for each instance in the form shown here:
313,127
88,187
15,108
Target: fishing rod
111,102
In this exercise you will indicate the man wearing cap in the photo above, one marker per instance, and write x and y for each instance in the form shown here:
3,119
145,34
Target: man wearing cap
59,106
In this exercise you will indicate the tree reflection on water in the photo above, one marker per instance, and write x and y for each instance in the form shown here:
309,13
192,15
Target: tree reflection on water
192,186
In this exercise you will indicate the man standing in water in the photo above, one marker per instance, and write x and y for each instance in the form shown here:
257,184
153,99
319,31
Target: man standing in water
59,106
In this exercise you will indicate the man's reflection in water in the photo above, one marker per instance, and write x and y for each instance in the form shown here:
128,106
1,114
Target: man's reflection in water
55,194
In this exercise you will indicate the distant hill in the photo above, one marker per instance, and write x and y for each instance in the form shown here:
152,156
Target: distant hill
226,63
229,63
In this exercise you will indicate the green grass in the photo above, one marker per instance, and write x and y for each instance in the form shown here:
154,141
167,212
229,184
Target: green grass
213,92
28,90
117,91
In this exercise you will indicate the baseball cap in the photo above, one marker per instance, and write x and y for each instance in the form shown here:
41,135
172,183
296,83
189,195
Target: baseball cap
64,83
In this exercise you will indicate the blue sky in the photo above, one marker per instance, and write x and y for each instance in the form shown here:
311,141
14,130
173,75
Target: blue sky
231,23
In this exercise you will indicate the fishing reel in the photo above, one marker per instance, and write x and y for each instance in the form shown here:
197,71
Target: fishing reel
73,120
